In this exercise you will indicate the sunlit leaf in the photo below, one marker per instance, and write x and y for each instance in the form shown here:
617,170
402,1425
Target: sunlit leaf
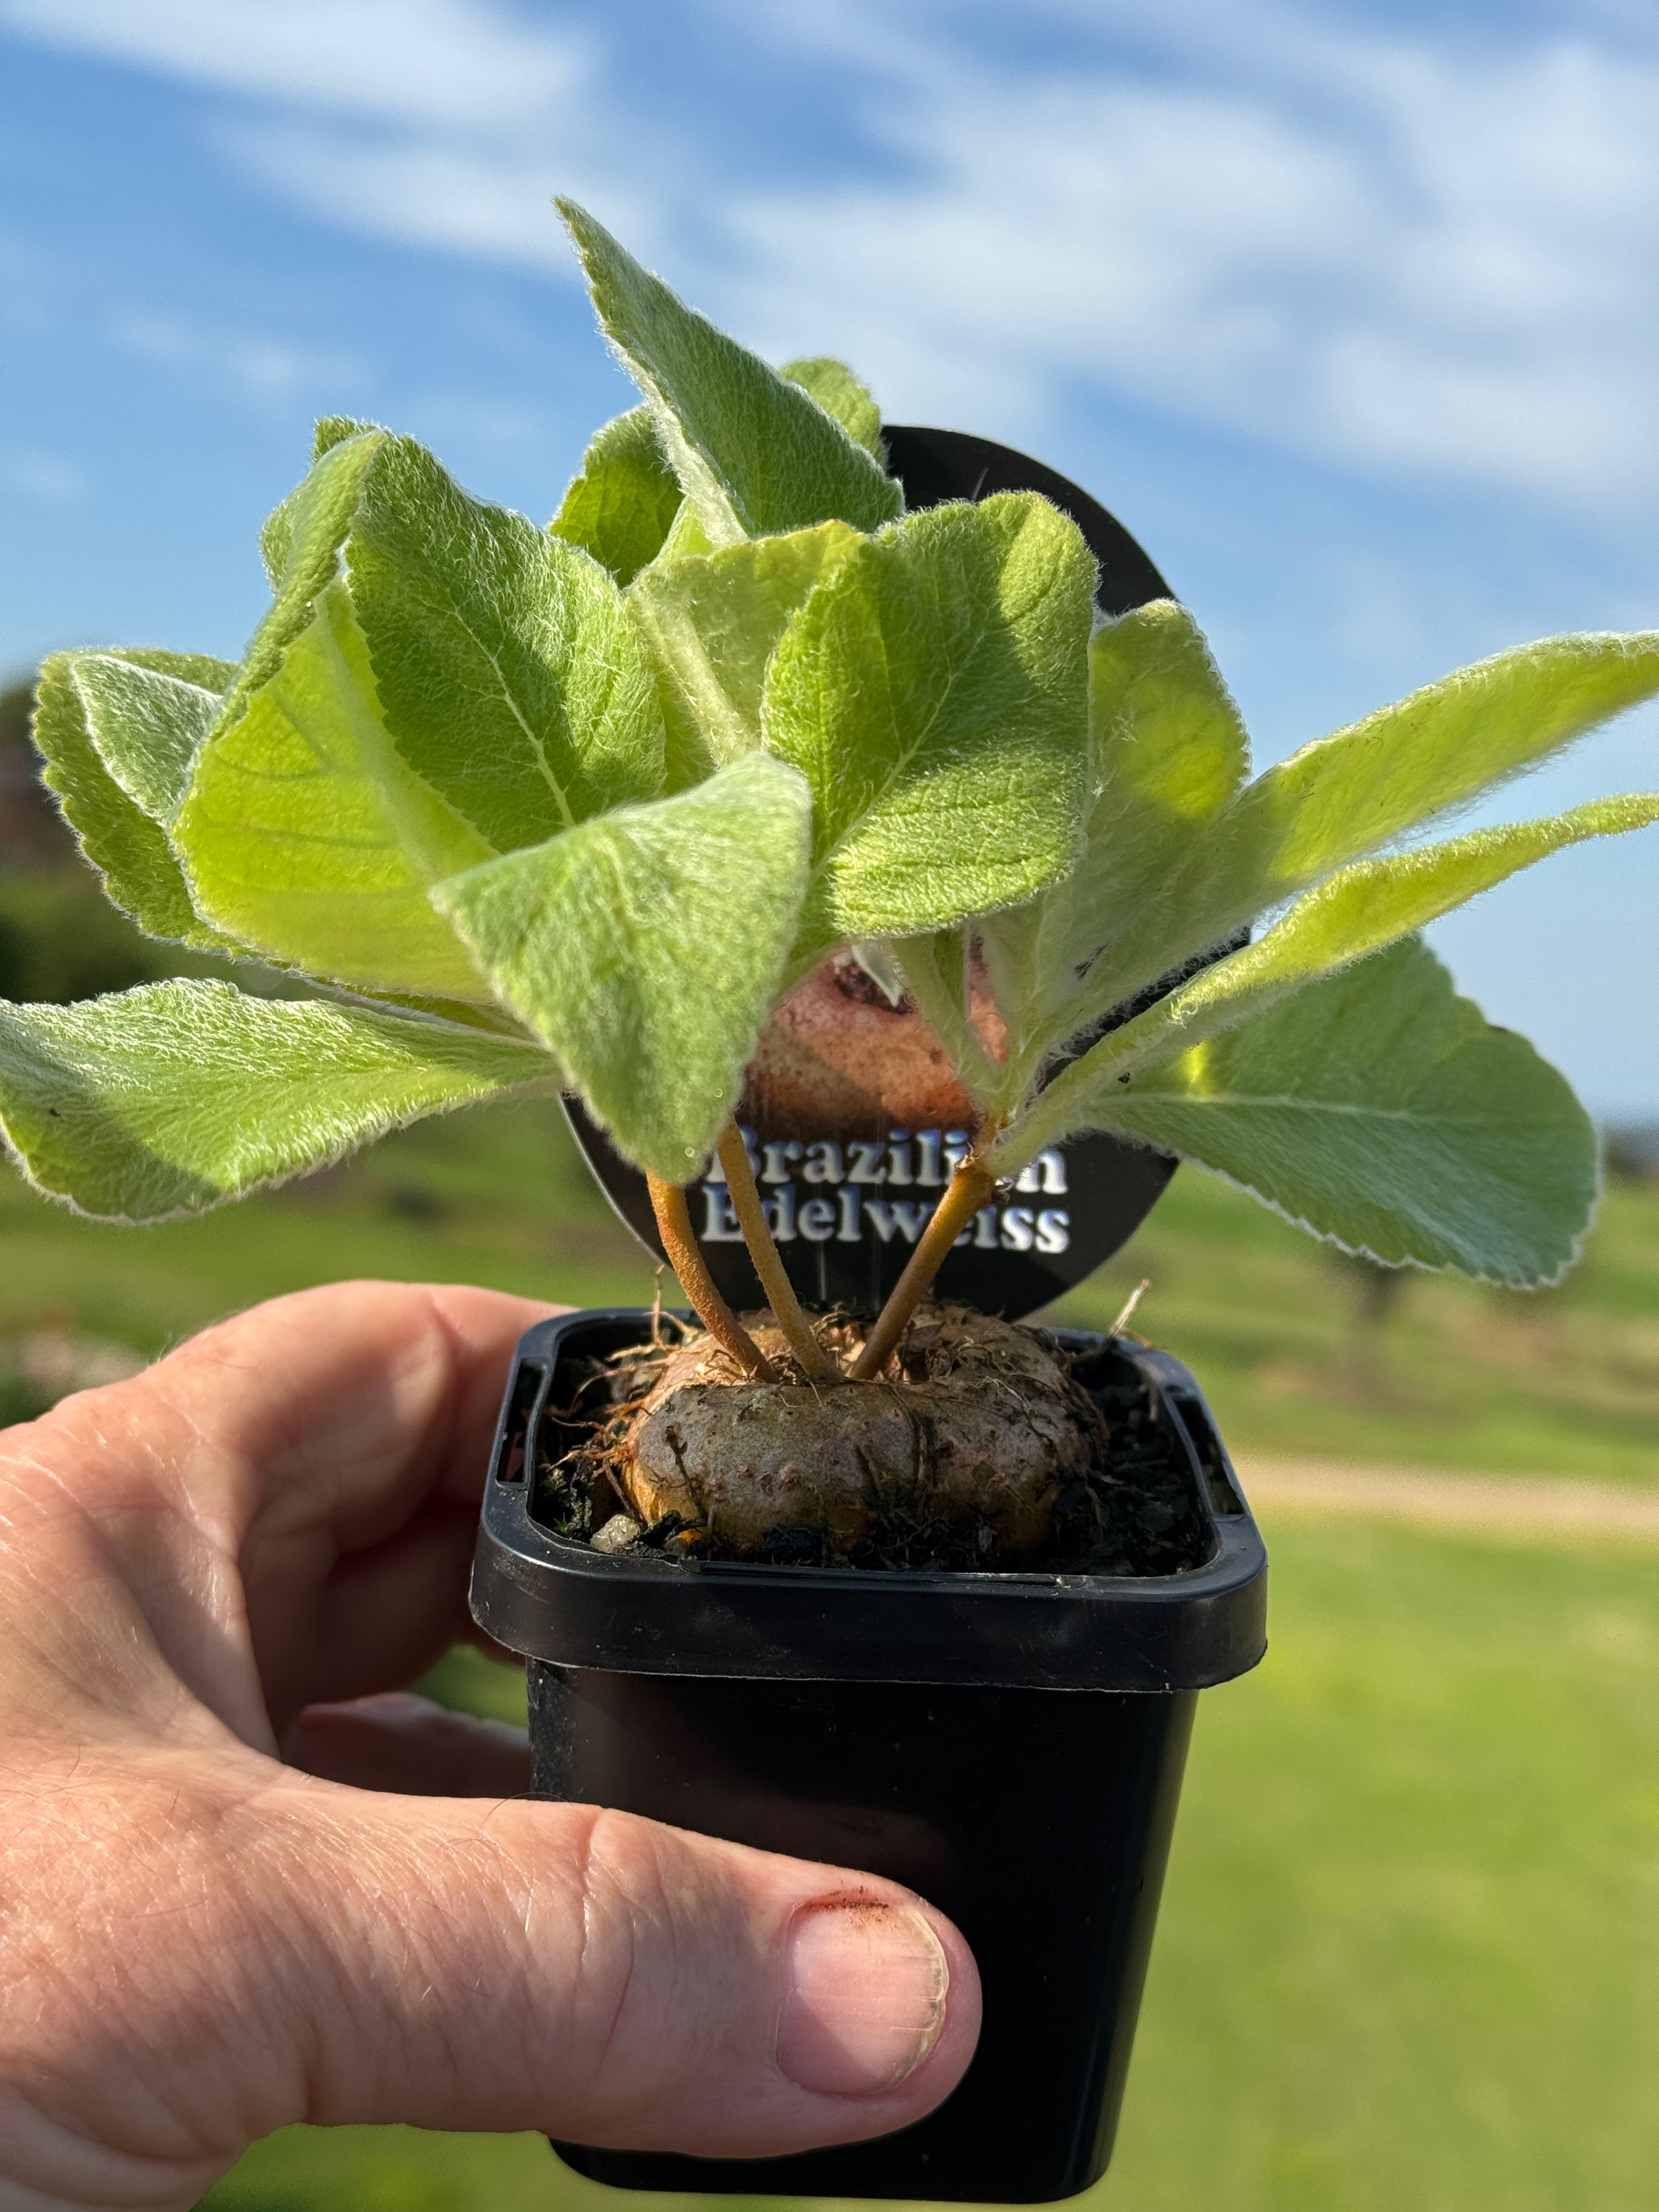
301,544
1351,794
933,692
1169,753
622,505
508,673
79,707
308,835
1355,912
276,532
1377,1107
509,676
148,723
753,453
715,622
646,946
175,1096
839,392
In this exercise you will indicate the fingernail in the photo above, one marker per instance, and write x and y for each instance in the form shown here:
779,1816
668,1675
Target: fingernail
863,2001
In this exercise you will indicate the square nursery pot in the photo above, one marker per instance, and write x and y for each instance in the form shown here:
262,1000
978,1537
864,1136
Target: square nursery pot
1008,1744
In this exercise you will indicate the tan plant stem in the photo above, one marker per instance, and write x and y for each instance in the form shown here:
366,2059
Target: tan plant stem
768,1262
674,1222
970,1186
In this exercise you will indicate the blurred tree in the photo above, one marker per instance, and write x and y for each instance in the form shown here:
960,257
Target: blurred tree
1377,1291
1630,1151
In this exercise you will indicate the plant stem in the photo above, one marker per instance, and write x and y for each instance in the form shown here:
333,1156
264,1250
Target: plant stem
674,1221
768,1263
970,1186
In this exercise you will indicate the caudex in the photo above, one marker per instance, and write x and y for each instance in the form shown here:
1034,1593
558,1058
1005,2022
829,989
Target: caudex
513,809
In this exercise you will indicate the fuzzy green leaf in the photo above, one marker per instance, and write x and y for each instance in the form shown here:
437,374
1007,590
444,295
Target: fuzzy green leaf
933,690
176,1096
1170,752
646,946
149,725
623,505
1379,1109
1360,789
754,453
300,544
308,835
714,622
1353,913
509,675
508,672
936,970
1408,763
276,532
332,430
876,956
75,720
839,392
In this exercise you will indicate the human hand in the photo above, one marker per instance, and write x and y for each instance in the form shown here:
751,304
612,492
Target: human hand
200,1942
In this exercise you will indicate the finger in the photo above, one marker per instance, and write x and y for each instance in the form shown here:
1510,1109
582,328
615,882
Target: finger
401,1742
316,1463
336,1402
603,1980
381,1617
372,1472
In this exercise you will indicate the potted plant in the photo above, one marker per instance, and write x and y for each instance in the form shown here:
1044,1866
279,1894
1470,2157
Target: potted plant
585,811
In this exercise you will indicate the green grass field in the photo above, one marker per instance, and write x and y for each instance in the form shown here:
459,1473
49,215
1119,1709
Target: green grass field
1409,1950
1453,1374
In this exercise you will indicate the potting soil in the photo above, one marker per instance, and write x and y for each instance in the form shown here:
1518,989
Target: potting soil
1136,1513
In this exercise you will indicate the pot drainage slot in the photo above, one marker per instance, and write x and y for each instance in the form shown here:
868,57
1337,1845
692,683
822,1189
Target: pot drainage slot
1206,1445
529,1386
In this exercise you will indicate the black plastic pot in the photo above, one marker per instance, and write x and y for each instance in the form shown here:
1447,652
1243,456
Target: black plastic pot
1008,1744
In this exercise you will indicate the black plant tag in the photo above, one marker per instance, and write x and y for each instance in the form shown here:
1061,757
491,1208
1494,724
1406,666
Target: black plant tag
853,1116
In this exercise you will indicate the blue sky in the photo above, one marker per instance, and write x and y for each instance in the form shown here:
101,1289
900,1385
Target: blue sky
1350,312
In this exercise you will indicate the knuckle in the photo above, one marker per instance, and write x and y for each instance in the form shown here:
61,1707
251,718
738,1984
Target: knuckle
123,1957
605,1883
660,1951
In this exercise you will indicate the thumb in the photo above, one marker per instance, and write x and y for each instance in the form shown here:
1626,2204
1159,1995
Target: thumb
604,1979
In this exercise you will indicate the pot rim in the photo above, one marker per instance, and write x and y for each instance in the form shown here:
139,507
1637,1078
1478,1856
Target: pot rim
555,1600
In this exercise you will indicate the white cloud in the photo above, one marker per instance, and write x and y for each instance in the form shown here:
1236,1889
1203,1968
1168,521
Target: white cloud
40,475
438,62
490,203
436,123
265,368
1420,252
1398,255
